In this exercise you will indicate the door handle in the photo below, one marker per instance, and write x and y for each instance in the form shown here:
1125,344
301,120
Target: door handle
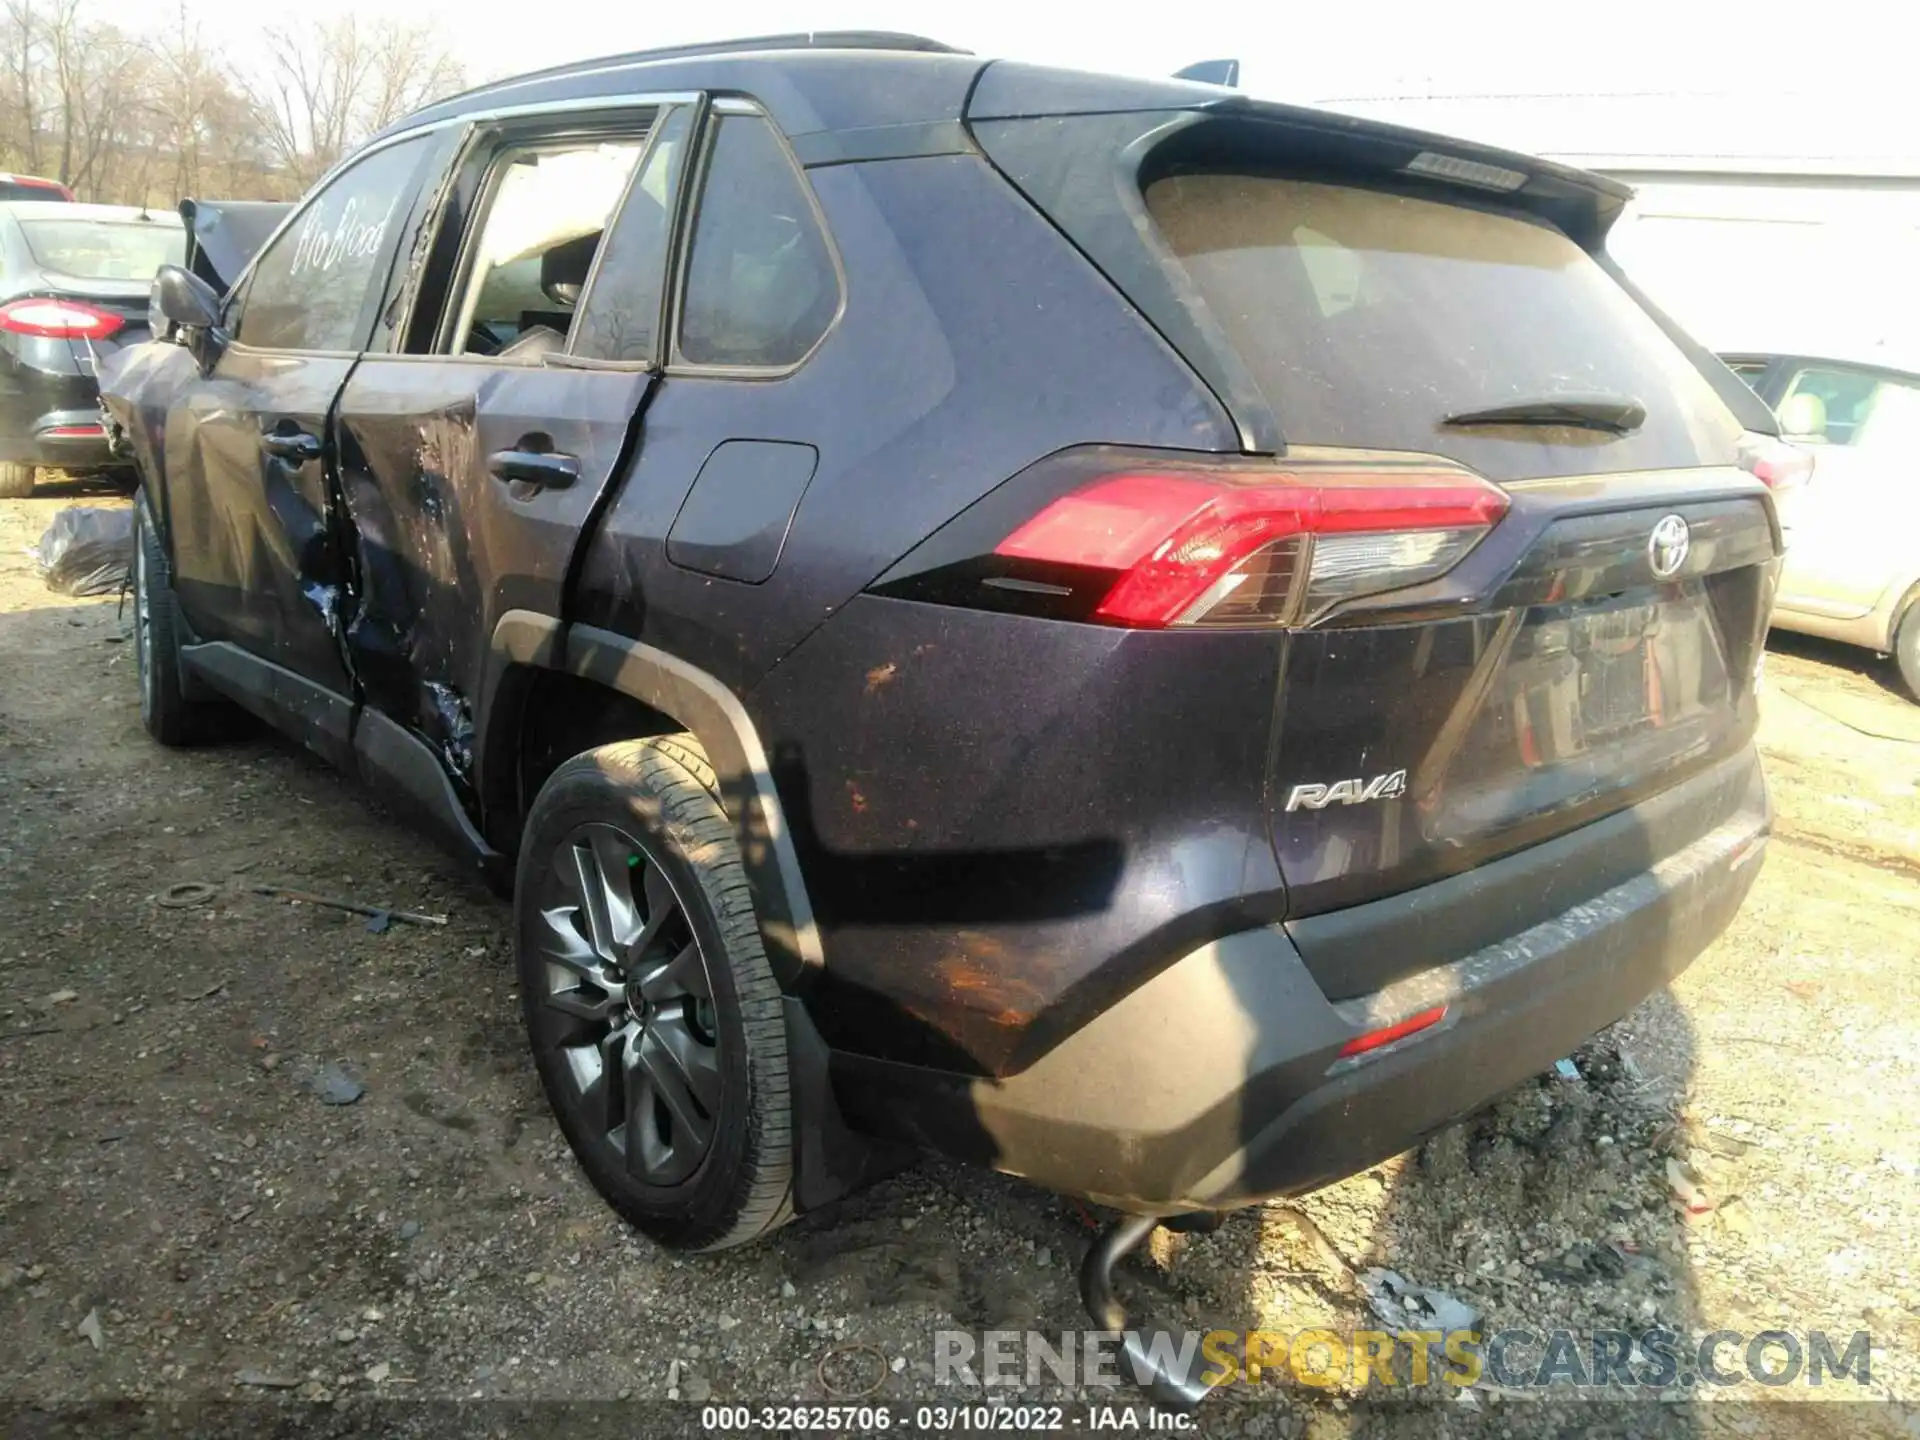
295,445
542,469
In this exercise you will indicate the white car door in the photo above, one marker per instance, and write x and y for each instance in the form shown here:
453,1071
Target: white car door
1854,527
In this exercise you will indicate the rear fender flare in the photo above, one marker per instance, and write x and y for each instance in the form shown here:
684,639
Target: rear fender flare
716,718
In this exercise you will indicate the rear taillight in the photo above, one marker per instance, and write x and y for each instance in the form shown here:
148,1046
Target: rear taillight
1776,464
1239,546
57,319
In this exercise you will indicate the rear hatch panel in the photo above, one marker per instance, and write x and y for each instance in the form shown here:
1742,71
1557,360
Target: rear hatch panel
1345,284
1580,685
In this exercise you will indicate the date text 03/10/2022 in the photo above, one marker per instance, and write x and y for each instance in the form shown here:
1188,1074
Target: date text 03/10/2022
940,1419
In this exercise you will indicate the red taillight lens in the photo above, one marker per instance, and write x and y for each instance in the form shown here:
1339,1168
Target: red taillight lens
57,319
1776,464
1259,547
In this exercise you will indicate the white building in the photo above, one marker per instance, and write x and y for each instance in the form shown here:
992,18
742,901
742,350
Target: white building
1758,223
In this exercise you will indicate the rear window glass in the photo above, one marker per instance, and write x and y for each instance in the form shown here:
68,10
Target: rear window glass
26,190
1368,318
105,249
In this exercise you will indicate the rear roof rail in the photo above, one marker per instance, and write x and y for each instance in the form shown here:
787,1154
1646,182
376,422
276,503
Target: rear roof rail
798,40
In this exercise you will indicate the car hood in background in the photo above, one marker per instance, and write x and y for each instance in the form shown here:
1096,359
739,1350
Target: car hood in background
222,235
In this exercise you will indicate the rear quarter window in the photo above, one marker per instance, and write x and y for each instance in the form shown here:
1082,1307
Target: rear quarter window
761,288
1367,318
105,249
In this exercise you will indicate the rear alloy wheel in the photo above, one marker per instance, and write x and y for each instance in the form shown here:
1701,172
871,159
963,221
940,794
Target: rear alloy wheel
16,480
654,1018
631,1004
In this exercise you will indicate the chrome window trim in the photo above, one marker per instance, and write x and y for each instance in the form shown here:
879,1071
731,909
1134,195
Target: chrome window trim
466,118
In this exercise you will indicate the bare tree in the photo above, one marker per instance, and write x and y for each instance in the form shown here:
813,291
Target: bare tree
154,116
411,68
330,84
100,77
24,81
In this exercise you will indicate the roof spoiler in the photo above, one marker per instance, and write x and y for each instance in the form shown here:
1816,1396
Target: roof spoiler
1212,72
222,235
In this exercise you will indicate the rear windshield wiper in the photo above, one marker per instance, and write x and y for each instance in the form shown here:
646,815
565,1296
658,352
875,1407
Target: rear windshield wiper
1617,414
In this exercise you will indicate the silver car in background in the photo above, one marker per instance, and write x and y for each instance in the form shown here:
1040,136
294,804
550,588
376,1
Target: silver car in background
1852,527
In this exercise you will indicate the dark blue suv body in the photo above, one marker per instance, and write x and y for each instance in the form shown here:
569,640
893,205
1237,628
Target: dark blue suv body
1164,643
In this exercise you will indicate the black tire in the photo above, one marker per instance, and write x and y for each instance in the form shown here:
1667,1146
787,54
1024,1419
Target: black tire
16,480
639,823
1906,649
169,715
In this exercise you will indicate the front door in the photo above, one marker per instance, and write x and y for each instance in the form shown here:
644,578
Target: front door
472,461
256,559
253,561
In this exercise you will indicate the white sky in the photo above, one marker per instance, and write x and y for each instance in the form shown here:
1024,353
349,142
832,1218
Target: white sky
1764,61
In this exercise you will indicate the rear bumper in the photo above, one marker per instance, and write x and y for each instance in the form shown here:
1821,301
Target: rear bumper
63,442
1219,1082
50,407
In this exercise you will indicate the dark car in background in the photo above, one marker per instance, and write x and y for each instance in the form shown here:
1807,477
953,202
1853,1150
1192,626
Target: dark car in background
74,285
1165,643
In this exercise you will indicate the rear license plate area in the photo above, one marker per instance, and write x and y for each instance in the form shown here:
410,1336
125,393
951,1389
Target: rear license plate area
1586,676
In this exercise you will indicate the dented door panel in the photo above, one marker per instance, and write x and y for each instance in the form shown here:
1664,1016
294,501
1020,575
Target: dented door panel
139,388
448,531
253,556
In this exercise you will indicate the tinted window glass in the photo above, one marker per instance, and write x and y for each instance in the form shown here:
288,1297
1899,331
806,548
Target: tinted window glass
761,287
1891,425
1368,318
1852,407
309,288
105,249
545,214
1827,404
26,190
623,309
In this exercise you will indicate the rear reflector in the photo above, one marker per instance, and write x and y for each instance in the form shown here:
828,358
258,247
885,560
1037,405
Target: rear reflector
57,319
1387,1034
72,432
1240,547
1776,464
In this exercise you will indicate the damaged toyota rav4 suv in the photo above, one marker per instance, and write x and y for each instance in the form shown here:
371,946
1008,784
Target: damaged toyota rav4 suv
1163,643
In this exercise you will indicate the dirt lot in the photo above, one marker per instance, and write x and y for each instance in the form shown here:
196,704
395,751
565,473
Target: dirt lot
173,1188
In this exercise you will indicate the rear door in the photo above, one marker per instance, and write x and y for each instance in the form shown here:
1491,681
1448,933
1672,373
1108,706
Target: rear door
256,562
475,452
1853,522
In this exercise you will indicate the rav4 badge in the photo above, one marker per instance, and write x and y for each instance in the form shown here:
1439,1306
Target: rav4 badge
1348,792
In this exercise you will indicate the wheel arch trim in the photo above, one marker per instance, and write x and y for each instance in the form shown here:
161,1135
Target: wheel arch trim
717,719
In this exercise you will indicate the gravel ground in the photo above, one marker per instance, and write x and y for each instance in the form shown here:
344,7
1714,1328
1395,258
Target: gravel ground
188,1230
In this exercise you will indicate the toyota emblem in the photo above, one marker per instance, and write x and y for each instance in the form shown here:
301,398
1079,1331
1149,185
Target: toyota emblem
1667,547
